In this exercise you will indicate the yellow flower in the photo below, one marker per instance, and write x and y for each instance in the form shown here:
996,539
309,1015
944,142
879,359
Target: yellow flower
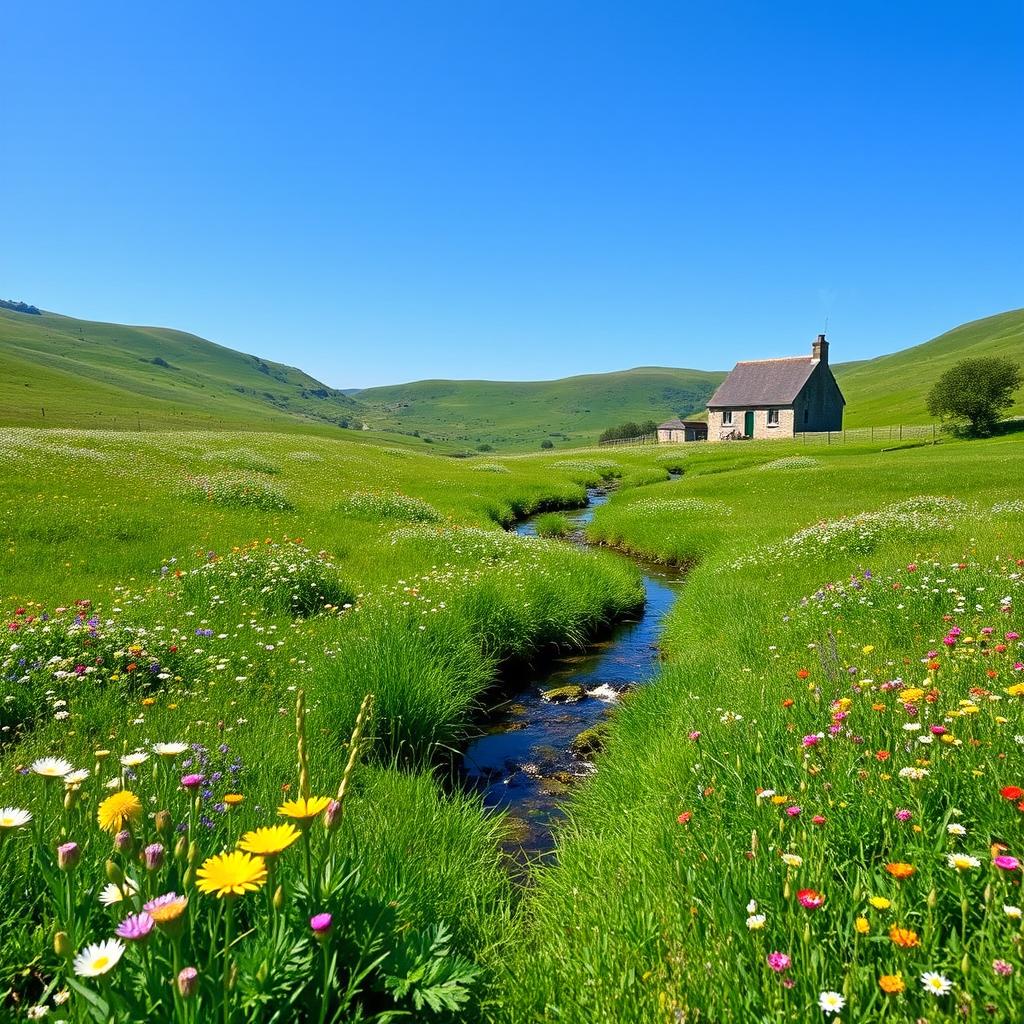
231,874
891,983
862,926
780,799
879,902
867,648
270,841
233,799
305,809
117,810
1017,690
911,694
904,937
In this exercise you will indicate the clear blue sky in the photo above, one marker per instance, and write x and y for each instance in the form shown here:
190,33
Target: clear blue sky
380,192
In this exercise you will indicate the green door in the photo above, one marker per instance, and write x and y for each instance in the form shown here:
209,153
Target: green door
748,423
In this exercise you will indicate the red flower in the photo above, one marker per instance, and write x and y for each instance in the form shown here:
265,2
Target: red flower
811,899
684,818
802,673
882,755
788,702
1011,792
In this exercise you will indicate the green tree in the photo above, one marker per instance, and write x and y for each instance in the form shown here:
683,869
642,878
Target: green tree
972,394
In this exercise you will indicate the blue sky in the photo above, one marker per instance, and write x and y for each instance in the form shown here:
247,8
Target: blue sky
381,192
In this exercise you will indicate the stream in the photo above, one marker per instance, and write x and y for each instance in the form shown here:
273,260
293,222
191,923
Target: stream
523,763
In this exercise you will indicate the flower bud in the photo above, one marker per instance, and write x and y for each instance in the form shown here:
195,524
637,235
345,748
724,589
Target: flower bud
68,855
263,972
933,900
188,979
62,945
193,853
70,799
965,964
279,898
114,874
123,841
163,823
180,848
154,856
321,926
332,816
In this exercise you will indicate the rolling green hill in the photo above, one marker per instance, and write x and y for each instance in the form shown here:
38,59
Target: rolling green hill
517,414
86,374
891,389
58,371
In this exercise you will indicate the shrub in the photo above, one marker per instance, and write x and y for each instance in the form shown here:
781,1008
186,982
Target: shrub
547,444
970,395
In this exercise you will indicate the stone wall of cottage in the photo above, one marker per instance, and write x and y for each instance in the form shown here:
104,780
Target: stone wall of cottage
819,406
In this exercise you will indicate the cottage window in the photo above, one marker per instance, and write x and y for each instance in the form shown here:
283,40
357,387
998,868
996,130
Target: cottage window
727,416
773,417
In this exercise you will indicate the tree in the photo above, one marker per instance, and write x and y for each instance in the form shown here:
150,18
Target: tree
971,394
547,444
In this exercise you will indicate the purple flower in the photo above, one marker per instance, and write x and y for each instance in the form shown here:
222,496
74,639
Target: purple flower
68,855
903,814
123,841
135,927
191,781
321,924
154,854
794,811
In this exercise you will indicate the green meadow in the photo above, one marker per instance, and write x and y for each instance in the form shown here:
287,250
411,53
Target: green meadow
277,644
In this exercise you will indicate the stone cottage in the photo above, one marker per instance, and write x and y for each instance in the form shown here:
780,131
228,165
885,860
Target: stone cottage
673,431
766,398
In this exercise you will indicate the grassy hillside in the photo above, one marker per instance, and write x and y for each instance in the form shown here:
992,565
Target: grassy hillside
892,388
519,414
109,375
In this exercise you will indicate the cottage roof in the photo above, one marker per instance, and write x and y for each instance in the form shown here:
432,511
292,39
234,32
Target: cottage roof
680,424
760,382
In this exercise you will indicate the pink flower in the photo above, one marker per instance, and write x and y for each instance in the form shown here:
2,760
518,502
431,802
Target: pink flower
810,899
794,811
68,855
811,741
321,925
778,961
154,854
819,819
188,978
1002,967
1013,636
161,901
938,730
695,735
1006,863
191,781
903,814
135,927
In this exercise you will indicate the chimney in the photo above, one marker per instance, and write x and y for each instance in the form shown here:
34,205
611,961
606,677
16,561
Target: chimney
819,350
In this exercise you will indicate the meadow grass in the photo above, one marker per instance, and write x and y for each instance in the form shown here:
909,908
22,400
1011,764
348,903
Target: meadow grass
139,614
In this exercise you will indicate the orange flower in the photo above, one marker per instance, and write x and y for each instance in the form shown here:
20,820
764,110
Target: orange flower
877,707
906,938
882,755
891,983
788,702
898,869
802,673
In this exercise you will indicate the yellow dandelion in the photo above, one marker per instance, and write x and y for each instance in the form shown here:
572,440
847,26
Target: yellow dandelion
305,809
233,799
117,810
231,874
880,902
269,841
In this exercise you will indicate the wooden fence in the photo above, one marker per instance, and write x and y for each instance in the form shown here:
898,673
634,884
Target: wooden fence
642,439
899,432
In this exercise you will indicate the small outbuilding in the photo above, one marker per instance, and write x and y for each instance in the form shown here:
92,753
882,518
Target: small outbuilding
766,398
673,431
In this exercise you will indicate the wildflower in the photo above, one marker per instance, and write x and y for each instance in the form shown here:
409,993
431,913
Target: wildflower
74,779
810,899
1001,967
169,749
166,909
819,819
755,922
231,874
891,984
902,814
154,856
683,819
1005,862
135,927
13,817
269,841
134,760
112,893
793,860
320,925
935,983
954,829
98,958
118,809
905,938
862,926
879,902
1011,792
233,799
962,862
188,978
304,809
794,811
912,773
54,767
68,855
778,962
1011,911
191,781
831,1002
900,870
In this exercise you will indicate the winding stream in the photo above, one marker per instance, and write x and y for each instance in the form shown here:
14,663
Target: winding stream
523,763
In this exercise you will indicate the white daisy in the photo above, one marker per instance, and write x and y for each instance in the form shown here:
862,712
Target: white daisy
962,862
98,958
51,767
756,922
831,1002
169,749
956,830
134,760
793,860
14,817
1011,911
112,894
76,778
937,984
